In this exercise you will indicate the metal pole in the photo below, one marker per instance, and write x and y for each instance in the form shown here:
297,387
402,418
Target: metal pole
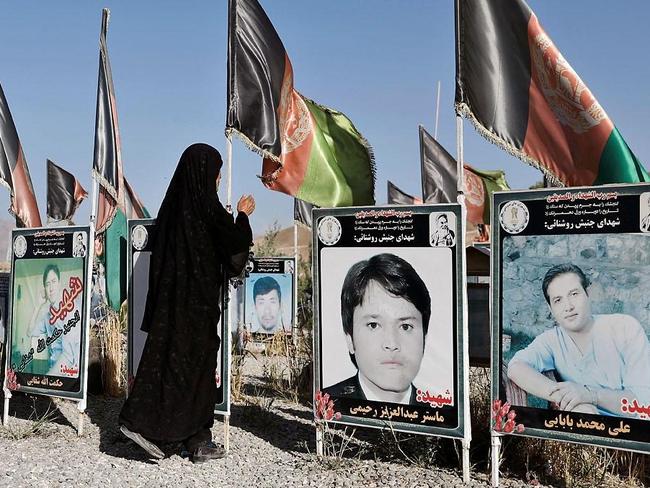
230,290
80,422
226,432
435,128
459,151
229,170
296,277
466,465
465,352
496,445
89,277
319,440
5,411
93,212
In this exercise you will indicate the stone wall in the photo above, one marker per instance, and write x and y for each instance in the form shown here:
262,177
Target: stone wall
618,267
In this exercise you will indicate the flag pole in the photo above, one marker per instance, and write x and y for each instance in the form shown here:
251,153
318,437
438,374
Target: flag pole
435,128
229,296
296,269
47,192
467,437
466,441
229,171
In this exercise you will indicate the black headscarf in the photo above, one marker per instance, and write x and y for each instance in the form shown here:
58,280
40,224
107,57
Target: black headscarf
196,245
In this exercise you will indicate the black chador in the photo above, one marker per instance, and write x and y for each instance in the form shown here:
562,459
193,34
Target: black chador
196,245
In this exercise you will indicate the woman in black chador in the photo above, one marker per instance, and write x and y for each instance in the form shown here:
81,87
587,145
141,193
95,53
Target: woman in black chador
196,245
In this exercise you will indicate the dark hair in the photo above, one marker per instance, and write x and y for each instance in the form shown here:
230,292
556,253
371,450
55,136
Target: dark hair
395,275
48,268
561,269
265,285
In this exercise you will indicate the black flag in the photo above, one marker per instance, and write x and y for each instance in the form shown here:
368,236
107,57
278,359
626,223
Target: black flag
64,194
14,173
398,197
439,171
302,211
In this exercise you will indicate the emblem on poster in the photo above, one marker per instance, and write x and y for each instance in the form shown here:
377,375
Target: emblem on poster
514,217
329,230
20,246
139,237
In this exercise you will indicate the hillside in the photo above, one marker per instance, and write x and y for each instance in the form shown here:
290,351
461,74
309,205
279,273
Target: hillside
284,241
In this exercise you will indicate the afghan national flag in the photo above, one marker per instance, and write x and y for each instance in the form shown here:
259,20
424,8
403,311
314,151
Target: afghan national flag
116,201
107,161
64,194
439,171
522,95
310,151
302,212
399,197
13,171
478,188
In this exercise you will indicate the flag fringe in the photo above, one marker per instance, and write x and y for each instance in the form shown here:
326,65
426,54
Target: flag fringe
464,110
106,225
12,202
7,186
109,220
251,145
104,183
302,224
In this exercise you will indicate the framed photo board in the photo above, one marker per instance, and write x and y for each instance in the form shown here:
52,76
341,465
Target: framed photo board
268,305
47,333
571,313
389,306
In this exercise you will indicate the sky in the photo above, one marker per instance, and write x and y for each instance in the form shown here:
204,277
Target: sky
378,61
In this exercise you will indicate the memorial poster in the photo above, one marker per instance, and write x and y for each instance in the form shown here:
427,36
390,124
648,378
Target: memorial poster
48,311
389,327
269,295
571,314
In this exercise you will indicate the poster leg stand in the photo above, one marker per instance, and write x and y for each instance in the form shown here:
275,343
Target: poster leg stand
80,425
226,433
319,440
5,408
496,447
466,466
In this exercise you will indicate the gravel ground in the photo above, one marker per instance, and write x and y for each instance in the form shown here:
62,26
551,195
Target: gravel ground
269,446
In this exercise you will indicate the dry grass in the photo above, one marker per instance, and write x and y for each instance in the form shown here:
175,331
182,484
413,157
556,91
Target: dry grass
110,332
287,369
549,462
36,425
237,360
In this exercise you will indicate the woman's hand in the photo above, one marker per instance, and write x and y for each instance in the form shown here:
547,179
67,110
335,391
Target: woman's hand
246,204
